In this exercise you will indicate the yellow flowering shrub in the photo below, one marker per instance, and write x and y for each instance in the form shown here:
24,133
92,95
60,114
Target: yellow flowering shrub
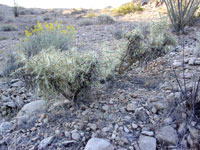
45,35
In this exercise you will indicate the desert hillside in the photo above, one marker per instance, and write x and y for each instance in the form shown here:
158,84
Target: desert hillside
106,79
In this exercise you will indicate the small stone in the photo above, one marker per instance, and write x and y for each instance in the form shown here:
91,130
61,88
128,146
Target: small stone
197,62
17,84
192,61
93,127
177,64
76,136
126,129
148,133
105,108
167,134
10,104
134,126
106,129
98,144
147,143
132,107
67,143
68,134
194,132
45,142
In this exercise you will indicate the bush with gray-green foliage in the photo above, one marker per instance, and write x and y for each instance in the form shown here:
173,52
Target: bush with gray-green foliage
144,47
181,12
45,36
105,19
54,71
86,22
8,27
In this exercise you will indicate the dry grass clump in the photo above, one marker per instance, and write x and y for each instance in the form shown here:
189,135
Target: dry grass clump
146,47
127,8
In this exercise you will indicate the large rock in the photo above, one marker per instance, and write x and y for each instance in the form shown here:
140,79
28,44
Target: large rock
167,134
132,107
32,108
98,144
147,143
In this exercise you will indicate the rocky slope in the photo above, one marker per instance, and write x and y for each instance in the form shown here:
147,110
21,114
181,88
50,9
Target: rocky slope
141,110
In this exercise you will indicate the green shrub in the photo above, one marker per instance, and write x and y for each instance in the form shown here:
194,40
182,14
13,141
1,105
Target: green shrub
43,36
91,15
3,38
146,47
105,19
86,22
11,65
127,8
55,71
181,12
8,27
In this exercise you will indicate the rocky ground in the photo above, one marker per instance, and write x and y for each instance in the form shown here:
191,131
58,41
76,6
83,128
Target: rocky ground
140,110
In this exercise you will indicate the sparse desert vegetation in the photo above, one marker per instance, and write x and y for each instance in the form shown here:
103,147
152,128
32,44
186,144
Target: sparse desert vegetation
84,79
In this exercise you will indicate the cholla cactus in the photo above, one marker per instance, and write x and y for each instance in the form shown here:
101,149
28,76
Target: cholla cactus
144,48
53,71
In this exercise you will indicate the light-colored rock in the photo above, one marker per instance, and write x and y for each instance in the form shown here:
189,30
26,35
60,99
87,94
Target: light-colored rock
167,134
134,126
148,133
45,142
98,144
132,106
76,136
147,143
192,61
177,64
32,108
6,127
105,108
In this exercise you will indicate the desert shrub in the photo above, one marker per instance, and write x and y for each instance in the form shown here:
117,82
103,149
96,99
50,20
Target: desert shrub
86,22
8,27
146,47
181,12
127,8
43,36
2,16
3,38
54,71
105,19
118,34
11,65
91,15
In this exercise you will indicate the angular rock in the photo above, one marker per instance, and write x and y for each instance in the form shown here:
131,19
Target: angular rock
167,134
147,143
45,142
32,108
132,106
76,136
148,133
98,144
6,127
